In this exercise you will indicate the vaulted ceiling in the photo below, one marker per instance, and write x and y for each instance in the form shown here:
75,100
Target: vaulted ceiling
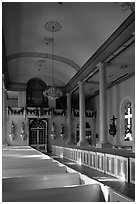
90,32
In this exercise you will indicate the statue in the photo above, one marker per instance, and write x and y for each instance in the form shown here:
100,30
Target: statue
12,131
113,128
53,131
62,131
23,131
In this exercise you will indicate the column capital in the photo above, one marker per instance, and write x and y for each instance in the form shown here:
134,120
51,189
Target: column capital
69,94
102,64
81,83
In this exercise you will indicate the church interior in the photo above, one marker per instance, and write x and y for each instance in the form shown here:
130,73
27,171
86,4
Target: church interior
68,102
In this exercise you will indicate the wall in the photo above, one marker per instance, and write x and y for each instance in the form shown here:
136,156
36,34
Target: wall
17,120
12,102
58,120
21,98
115,96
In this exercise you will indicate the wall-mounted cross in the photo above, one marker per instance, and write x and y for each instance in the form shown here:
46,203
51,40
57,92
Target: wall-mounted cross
113,119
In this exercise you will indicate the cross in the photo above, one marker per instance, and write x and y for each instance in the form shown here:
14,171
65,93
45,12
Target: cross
113,119
128,116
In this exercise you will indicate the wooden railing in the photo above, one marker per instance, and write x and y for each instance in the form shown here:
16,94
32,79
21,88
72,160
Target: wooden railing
113,165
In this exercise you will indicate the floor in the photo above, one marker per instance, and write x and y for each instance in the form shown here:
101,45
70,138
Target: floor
127,189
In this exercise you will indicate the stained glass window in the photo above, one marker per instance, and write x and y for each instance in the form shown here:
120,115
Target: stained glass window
128,122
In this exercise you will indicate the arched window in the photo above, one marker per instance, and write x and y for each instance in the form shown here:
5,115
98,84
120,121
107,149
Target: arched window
34,93
126,125
128,121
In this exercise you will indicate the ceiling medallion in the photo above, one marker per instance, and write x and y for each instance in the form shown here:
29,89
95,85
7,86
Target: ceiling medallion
52,92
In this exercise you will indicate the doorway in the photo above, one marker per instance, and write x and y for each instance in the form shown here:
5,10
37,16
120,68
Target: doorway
38,134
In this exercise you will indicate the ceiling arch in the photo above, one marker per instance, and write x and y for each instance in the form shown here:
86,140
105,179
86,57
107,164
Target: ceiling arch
44,55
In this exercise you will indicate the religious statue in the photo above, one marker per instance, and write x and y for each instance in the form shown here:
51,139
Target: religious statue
22,134
62,131
53,131
12,131
113,128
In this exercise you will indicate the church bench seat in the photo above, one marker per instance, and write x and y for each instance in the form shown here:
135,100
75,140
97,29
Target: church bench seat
6,164
23,157
40,182
33,171
83,193
20,152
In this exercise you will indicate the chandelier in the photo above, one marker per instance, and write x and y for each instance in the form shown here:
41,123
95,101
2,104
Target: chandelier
52,92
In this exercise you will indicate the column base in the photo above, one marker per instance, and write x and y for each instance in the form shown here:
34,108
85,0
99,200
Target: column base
85,143
102,145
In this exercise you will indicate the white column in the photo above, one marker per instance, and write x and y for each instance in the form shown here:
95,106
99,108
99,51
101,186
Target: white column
103,124
69,140
82,135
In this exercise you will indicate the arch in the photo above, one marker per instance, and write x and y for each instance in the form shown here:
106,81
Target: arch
34,93
44,55
123,126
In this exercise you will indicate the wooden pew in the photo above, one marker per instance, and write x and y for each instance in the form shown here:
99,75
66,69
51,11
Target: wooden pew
27,163
33,171
40,182
83,193
20,152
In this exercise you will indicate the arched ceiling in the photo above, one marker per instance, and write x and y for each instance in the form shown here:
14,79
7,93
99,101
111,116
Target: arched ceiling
85,27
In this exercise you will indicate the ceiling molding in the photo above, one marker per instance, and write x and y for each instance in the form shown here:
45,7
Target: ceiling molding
117,39
92,82
44,55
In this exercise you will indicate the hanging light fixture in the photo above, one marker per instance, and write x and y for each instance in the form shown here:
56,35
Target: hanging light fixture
52,92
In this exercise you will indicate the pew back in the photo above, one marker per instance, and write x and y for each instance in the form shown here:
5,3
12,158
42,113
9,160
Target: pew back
83,193
33,171
40,182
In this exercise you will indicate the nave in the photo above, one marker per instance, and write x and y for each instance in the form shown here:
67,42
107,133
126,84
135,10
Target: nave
75,105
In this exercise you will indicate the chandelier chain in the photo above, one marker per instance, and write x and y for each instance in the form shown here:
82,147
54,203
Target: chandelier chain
52,92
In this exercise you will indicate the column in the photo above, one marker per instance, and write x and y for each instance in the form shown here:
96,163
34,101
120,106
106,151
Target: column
82,135
103,124
69,140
